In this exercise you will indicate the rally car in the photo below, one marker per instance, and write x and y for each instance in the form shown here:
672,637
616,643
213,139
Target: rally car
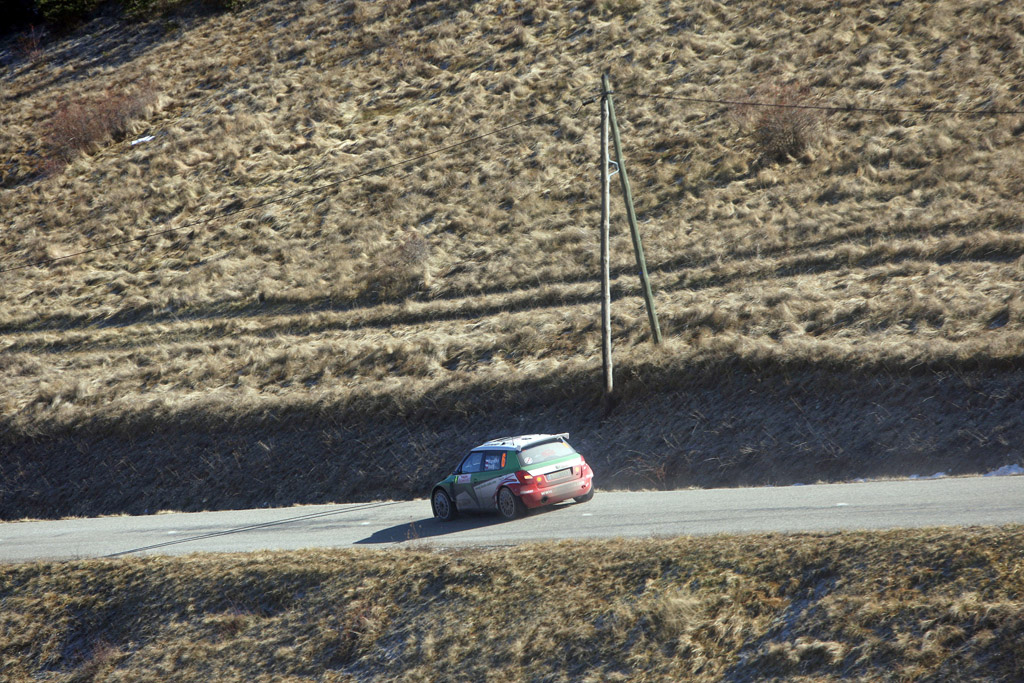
512,475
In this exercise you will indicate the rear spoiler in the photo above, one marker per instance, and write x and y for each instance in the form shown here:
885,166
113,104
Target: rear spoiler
564,436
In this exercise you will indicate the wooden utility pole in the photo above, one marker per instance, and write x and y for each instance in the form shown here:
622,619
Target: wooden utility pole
638,248
606,290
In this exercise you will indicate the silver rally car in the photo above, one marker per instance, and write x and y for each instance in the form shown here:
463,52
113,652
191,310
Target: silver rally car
514,474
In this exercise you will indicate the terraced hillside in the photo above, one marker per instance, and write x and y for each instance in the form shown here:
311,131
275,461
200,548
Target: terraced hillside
364,236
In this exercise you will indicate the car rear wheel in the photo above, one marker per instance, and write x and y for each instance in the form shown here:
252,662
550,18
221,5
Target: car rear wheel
509,504
585,497
444,508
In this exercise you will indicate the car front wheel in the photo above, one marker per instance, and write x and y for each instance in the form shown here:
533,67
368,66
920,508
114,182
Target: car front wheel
444,508
509,504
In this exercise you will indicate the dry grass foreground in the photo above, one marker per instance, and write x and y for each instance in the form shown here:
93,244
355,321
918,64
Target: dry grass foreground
882,606
851,309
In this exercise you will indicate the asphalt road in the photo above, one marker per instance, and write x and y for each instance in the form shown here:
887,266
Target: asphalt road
869,505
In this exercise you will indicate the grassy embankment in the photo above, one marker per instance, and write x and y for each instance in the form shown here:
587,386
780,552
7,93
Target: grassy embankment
853,309
884,606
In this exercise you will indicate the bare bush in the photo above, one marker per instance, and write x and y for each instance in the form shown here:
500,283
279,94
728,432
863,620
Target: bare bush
105,657
782,120
81,125
31,44
398,269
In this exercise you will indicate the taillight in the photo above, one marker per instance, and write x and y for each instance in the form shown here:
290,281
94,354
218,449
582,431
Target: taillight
525,477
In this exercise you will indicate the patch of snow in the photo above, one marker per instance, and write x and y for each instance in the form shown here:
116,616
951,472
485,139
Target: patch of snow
1006,471
937,475
139,141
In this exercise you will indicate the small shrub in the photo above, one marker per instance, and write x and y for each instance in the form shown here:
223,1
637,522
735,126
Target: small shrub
620,8
66,13
779,121
79,126
104,658
229,5
149,9
398,269
30,43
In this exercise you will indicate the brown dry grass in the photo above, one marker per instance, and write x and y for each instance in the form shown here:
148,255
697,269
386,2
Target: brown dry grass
939,604
889,246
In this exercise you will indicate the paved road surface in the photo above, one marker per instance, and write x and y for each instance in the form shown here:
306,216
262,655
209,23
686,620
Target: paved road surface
870,505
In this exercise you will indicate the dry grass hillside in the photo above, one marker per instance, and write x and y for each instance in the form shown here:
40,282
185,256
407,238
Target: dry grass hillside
933,605
242,310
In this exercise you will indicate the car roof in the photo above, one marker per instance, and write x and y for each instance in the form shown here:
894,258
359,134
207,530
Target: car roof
518,443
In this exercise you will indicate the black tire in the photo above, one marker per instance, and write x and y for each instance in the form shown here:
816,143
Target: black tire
510,505
585,498
442,505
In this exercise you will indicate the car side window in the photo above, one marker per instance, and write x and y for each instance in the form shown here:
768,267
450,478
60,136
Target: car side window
472,463
492,461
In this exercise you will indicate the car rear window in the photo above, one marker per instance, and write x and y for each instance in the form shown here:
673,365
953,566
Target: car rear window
545,452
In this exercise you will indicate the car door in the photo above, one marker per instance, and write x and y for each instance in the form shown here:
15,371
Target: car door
486,481
462,489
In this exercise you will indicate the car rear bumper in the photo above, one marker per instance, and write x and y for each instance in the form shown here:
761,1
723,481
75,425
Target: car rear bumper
535,496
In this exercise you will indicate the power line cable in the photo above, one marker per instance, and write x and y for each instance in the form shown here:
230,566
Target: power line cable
827,108
294,195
